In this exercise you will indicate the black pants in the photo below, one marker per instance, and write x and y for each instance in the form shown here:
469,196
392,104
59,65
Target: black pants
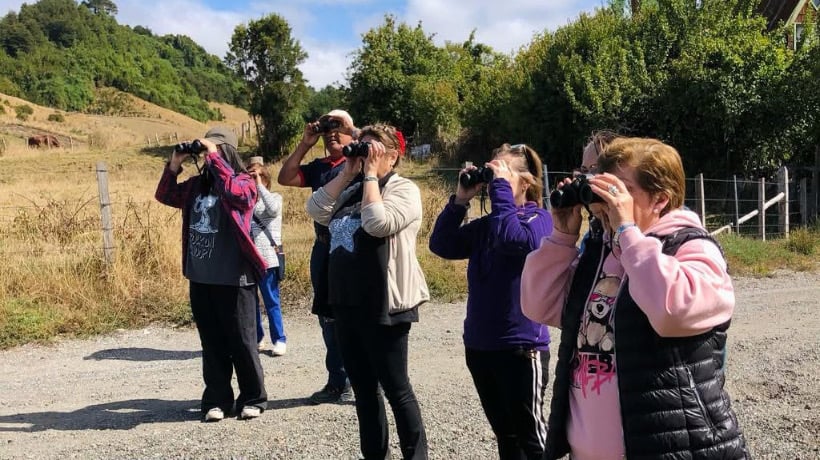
376,355
225,317
511,384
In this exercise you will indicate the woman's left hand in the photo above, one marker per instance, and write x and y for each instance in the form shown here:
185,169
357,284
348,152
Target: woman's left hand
375,156
618,199
501,169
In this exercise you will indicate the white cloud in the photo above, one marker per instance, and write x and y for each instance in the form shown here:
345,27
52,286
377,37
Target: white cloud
212,29
504,25
326,65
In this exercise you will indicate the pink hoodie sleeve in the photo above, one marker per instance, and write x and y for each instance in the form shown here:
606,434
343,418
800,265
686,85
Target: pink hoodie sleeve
546,278
682,295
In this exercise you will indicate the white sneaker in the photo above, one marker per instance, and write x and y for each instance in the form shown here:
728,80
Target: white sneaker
214,414
260,347
249,412
280,348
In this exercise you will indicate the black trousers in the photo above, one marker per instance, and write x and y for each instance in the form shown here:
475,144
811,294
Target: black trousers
377,355
511,385
225,317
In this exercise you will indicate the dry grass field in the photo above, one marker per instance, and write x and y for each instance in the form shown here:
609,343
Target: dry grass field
53,280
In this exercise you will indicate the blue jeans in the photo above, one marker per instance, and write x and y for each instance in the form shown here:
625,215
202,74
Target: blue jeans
269,287
336,375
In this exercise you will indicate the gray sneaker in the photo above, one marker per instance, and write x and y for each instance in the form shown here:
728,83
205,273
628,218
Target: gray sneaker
331,394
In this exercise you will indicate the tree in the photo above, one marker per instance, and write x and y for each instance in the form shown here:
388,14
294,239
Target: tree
323,101
101,6
265,55
400,76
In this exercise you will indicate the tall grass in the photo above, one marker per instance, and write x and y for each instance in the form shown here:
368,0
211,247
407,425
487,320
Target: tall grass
53,279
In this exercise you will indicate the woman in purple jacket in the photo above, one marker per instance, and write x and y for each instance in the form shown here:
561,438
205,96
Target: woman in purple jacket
507,354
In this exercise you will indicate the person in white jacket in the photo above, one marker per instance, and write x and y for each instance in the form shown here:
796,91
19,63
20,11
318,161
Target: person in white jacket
266,229
375,284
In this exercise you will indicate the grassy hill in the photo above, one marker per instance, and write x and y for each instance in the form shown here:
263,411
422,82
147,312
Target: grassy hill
146,121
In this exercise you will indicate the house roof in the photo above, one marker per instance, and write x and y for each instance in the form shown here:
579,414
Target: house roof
777,11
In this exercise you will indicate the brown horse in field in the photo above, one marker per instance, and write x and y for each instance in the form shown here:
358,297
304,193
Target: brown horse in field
43,140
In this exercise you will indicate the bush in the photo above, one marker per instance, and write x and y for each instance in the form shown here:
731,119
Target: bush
802,241
23,111
58,117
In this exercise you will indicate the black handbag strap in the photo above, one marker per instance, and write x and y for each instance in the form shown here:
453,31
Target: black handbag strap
265,231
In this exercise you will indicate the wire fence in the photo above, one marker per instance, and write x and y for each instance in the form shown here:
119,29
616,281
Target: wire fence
739,205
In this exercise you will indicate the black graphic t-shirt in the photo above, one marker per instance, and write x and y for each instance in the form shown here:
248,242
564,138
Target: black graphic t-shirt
214,256
357,260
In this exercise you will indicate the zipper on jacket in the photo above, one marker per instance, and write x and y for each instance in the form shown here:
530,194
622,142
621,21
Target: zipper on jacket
701,404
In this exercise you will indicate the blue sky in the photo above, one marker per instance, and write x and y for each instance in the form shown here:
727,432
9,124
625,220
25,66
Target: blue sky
329,30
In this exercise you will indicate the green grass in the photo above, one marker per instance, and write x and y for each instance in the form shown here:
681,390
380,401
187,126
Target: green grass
753,257
24,321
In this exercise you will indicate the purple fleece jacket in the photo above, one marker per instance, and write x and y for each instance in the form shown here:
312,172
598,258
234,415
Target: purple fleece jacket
496,246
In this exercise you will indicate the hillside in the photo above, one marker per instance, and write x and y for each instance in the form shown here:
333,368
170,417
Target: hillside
107,131
59,53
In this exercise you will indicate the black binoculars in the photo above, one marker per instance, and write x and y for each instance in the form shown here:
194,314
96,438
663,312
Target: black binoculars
576,192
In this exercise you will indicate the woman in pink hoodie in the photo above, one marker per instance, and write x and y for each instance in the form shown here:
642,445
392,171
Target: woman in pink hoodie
644,312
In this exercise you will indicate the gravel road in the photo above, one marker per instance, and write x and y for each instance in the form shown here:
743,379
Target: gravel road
134,394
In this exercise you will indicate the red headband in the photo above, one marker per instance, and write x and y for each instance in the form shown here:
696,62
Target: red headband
402,143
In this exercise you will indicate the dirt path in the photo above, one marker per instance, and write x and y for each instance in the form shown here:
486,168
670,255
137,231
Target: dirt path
135,394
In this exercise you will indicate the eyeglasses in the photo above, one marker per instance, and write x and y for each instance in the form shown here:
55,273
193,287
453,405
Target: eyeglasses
523,150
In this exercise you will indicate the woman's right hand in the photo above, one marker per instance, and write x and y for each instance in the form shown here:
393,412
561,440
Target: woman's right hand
353,166
567,220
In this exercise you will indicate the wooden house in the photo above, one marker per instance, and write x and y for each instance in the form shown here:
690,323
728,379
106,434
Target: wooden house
791,13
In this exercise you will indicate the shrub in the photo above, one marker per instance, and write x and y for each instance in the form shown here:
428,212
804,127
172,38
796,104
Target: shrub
58,117
23,111
802,241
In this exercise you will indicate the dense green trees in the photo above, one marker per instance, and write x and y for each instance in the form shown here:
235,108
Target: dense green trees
57,53
704,76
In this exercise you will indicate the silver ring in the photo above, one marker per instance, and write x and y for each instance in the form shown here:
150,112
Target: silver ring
613,190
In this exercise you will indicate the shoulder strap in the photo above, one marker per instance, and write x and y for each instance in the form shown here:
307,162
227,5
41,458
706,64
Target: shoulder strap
265,231
673,241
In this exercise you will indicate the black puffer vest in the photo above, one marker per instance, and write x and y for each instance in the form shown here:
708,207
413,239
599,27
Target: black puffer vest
673,405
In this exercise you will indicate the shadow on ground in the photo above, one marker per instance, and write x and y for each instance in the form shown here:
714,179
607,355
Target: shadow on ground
143,354
122,415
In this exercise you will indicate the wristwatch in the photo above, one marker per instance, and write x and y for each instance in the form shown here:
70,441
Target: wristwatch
370,179
616,238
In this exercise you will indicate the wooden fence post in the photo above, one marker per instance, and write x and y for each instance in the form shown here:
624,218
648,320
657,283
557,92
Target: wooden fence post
700,200
546,190
804,203
105,212
783,205
156,135
814,200
761,209
737,204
